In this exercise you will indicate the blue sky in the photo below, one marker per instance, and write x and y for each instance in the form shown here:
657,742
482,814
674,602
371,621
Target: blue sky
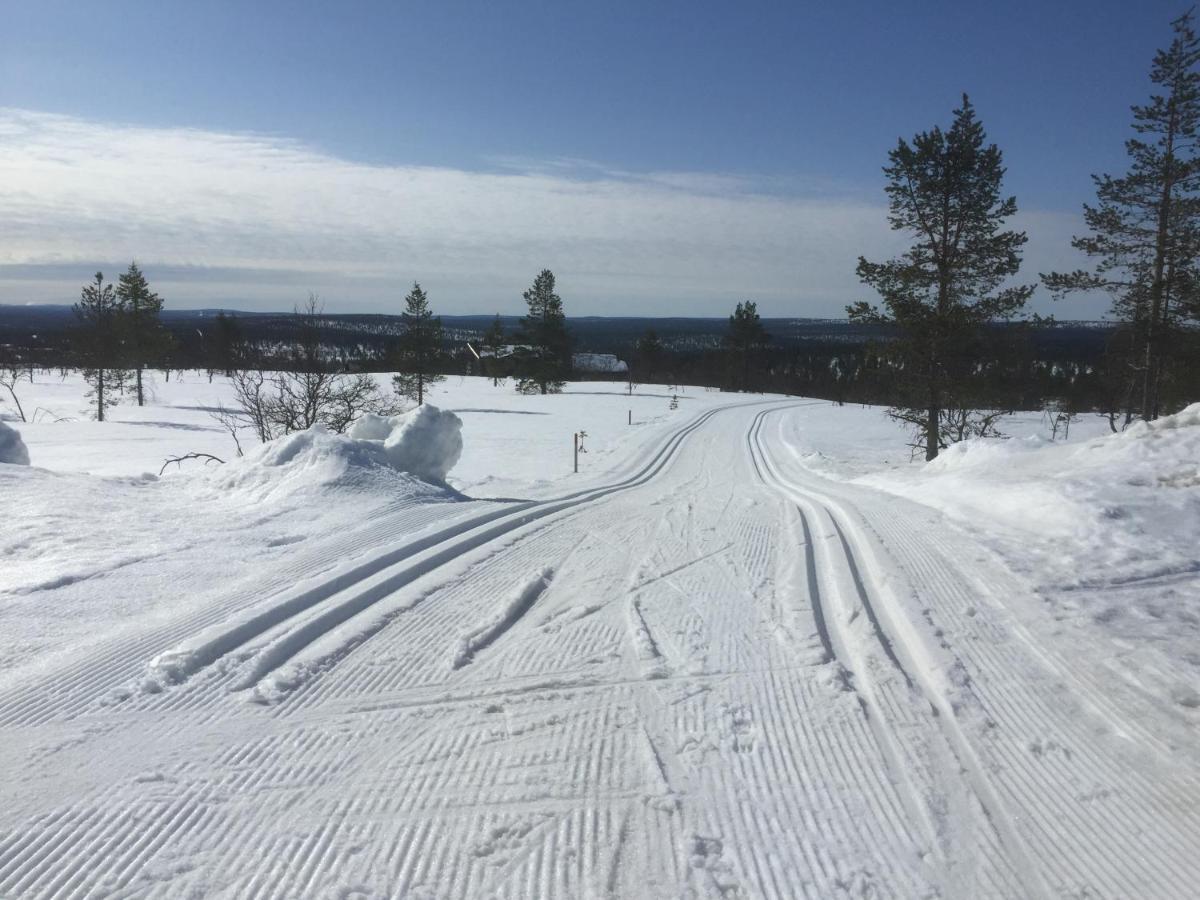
661,157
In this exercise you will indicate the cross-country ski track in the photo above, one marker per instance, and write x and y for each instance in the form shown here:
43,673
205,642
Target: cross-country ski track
719,675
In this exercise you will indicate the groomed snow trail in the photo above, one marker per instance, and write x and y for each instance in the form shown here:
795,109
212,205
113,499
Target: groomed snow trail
720,676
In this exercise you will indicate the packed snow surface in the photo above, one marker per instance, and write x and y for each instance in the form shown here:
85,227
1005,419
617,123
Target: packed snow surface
751,650
12,449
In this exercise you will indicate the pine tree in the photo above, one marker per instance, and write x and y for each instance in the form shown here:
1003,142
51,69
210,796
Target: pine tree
1146,226
494,343
145,338
99,343
746,337
228,345
648,353
944,190
420,347
544,358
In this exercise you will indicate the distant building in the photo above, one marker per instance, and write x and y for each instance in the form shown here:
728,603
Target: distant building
598,364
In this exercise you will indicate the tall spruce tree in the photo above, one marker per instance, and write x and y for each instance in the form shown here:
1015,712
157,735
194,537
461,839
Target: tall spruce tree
420,347
1146,227
544,358
745,339
146,341
99,343
227,348
494,342
944,190
648,354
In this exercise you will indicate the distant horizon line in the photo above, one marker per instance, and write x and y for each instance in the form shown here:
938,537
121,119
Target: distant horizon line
720,318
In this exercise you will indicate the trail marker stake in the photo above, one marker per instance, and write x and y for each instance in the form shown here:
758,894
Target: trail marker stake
579,448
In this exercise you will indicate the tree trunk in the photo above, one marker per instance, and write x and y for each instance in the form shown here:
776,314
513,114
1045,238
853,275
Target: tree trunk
1157,286
141,401
931,429
99,395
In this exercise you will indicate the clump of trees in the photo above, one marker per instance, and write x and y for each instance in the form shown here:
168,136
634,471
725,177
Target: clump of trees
307,389
420,348
119,335
1145,242
944,190
543,357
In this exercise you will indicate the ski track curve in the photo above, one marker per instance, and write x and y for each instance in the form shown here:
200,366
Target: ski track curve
1034,755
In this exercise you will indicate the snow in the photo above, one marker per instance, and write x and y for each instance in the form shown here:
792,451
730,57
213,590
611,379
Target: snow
13,451
425,442
1105,528
512,443
750,622
377,454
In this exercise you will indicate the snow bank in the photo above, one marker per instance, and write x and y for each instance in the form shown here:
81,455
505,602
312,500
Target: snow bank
423,444
12,448
1097,514
426,442
1104,530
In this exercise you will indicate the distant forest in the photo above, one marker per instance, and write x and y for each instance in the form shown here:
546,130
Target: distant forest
827,358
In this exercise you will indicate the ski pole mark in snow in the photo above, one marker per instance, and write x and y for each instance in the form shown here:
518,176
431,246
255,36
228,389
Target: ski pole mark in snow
644,644
508,615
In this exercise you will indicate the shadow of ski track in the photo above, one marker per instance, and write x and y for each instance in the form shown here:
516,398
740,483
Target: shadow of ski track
623,394
177,426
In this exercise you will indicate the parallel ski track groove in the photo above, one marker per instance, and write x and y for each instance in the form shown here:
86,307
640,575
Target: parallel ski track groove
1034,793
443,547
880,705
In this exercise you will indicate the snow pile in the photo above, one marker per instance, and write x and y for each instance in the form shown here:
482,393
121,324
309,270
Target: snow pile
1104,530
426,441
1136,493
12,448
421,445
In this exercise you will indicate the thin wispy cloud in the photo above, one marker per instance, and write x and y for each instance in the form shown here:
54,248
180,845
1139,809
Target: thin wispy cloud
245,219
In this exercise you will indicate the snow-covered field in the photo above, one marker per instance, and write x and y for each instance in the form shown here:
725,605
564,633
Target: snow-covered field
750,650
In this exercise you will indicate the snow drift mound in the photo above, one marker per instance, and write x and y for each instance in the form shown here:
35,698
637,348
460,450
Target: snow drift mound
12,448
1127,502
411,452
426,442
